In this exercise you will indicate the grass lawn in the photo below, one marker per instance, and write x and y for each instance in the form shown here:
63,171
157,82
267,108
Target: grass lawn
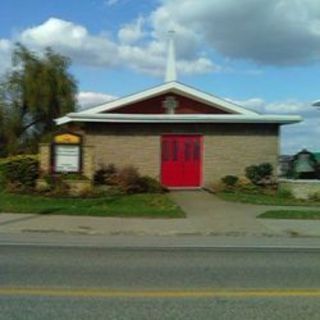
139,205
291,214
265,199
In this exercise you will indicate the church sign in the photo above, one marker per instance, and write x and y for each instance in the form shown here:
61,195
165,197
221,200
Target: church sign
66,154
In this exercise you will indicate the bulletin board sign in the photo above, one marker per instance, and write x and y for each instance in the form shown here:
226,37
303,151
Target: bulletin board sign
66,153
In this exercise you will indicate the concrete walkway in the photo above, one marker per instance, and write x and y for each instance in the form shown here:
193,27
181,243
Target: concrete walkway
216,216
206,215
232,218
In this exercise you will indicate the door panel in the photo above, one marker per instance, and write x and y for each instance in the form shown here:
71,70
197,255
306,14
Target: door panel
181,160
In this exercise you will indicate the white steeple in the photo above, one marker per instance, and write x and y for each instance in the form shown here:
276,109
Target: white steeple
171,72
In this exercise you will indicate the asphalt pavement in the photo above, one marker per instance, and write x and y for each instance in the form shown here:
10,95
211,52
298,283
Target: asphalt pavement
56,282
55,239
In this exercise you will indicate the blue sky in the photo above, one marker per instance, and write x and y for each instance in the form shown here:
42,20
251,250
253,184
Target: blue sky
263,54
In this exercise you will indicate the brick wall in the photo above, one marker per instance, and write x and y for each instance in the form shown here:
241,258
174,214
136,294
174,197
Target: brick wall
44,157
228,148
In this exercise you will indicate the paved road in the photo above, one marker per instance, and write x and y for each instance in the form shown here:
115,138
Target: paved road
104,283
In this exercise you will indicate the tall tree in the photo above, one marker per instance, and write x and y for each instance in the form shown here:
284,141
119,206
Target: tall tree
2,136
37,90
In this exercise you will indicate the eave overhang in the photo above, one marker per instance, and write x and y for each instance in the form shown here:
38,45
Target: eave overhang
177,118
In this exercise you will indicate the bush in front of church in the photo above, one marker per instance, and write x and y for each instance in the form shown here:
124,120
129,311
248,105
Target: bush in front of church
19,173
126,180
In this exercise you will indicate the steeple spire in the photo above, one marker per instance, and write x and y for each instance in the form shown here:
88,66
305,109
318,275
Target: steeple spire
171,72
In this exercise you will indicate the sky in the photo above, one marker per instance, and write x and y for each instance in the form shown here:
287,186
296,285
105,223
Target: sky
262,54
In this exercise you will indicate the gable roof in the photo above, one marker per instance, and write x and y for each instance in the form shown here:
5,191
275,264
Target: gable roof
172,87
237,113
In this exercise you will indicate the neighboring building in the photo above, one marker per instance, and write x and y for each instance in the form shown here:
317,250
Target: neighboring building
180,135
317,156
285,165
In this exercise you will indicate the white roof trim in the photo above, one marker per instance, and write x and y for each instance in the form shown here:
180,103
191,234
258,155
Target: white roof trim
174,87
178,118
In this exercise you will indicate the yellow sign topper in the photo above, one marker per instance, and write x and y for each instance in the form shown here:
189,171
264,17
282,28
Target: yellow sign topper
67,138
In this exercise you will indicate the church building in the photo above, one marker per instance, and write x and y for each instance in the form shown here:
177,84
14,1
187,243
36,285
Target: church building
182,136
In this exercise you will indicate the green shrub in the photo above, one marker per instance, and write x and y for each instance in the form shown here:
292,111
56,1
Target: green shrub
4,161
127,180
230,181
214,187
265,170
20,173
259,174
249,188
285,193
105,175
150,185
2,180
73,176
315,197
57,186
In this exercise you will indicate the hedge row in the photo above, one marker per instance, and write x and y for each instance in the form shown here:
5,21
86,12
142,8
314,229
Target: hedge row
19,171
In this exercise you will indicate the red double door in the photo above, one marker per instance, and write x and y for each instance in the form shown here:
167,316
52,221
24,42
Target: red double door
181,160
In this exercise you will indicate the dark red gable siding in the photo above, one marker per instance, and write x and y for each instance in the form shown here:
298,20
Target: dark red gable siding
154,106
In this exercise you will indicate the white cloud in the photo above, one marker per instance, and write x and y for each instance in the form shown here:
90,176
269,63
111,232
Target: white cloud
253,103
5,52
142,59
111,3
302,135
274,32
84,48
152,60
131,33
72,40
277,107
197,66
288,107
88,99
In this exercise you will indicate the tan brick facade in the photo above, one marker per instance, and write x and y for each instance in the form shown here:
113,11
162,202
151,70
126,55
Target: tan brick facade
228,148
44,157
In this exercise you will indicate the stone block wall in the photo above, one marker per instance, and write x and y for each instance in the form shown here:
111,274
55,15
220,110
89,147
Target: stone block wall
301,189
44,157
